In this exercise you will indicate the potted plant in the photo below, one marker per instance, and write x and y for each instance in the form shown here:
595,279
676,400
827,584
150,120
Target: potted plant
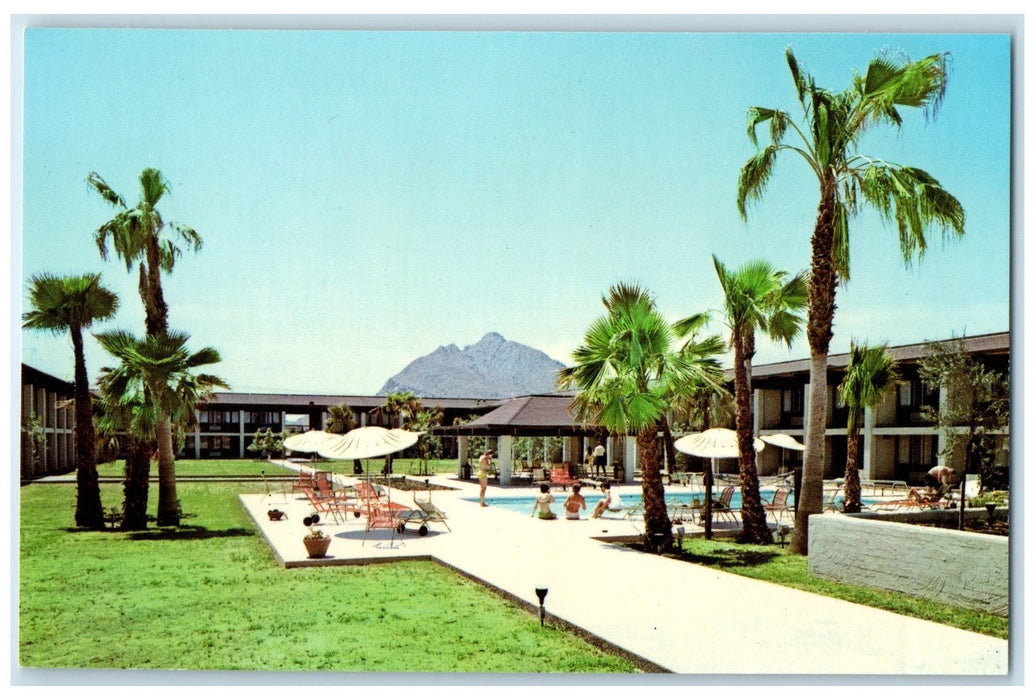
316,543
276,514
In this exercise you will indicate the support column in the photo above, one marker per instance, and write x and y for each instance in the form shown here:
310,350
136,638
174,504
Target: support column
868,439
632,454
461,453
197,434
240,433
505,445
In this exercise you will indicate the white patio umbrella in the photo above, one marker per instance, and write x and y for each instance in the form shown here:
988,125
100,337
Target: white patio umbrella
309,441
368,441
714,443
785,441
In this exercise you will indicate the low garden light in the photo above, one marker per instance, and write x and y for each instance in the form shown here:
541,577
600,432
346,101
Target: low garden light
541,594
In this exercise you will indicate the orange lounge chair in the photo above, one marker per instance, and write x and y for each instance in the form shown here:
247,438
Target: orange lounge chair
381,517
560,476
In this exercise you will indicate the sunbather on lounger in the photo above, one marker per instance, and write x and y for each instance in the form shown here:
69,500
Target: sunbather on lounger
542,504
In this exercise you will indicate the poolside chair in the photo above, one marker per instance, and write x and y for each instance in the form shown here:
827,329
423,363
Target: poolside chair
380,517
303,481
830,498
721,506
778,505
538,475
430,511
922,500
687,511
560,476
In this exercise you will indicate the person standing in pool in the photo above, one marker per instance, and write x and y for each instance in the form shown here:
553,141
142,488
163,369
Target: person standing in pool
542,504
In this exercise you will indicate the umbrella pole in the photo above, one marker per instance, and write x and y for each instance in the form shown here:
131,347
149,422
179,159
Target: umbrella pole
709,468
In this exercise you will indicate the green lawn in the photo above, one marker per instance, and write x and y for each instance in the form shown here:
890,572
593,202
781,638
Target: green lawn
777,565
210,595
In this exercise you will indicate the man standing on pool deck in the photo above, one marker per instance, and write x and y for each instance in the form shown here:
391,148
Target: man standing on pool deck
484,465
599,459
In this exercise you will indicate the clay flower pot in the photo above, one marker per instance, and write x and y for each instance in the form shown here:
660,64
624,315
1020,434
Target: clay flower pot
275,514
317,548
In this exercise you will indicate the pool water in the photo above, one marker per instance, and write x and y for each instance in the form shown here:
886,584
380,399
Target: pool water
630,498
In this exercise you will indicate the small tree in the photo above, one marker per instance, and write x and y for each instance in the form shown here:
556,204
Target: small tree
976,409
870,375
266,443
428,446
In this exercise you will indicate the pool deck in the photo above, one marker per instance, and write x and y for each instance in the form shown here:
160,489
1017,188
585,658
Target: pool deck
669,615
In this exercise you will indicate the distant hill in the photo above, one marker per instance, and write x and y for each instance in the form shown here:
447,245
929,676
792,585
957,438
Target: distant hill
492,368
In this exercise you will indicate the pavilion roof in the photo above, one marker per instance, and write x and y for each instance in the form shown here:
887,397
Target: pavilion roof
546,414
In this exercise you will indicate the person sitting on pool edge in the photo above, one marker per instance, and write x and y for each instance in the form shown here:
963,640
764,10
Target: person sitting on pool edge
611,500
542,503
574,503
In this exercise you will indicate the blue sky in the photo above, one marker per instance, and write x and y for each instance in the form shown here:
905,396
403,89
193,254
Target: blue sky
366,197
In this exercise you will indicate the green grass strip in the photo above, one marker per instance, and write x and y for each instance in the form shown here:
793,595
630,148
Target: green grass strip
779,566
210,596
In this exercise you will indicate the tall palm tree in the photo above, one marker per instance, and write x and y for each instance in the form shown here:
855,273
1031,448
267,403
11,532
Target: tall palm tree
758,297
167,372
869,377
140,235
830,130
625,371
70,304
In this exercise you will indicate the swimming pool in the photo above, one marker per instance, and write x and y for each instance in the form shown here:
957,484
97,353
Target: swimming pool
630,498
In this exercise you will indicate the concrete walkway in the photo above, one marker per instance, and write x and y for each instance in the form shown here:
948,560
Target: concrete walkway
676,616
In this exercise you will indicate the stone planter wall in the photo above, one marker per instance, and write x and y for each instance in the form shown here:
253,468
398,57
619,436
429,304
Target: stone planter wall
966,569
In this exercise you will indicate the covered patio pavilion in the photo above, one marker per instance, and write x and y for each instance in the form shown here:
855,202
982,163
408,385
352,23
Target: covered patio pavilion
544,415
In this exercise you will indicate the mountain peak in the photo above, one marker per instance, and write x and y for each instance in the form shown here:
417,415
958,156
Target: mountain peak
492,368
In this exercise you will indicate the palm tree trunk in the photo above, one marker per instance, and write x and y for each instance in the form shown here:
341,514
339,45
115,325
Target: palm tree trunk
853,489
89,513
658,533
755,529
670,445
810,500
168,504
822,289
135,487
156,318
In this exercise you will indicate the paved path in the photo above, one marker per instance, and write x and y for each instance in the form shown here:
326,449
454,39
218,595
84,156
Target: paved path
678,616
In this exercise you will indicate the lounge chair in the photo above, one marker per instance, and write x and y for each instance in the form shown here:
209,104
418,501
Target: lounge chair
560,476
922,500
778,505
431,512
538,475
335,504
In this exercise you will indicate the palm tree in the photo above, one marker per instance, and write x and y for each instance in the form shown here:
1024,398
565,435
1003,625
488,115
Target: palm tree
140,235
831,127
404,404
625,371
757,298
126,421
70,304
340,422
870,375
166,370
